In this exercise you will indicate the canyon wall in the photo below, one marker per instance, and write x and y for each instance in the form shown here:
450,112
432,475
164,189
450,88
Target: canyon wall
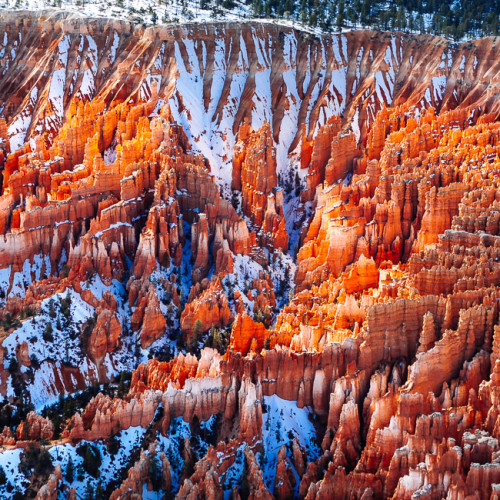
291,242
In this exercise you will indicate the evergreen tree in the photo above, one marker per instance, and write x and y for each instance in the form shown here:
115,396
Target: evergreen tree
52,308
267,343
290,7
113,444
194,337
245,486
155,471
100,492
89,492
70,471
257,8
365,12
216,338
313,19
92,460
400,19
340,15
197,328
47,333
352,15
44,463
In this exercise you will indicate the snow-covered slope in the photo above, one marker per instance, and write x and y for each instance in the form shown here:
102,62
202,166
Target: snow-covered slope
215,76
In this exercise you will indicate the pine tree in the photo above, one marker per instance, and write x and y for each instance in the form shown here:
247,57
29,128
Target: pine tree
113,444
47,333
216,339
197,328
313,19
340,15
352,15
92,460
100,493
121,385
70,471
257,8
44,463
155,471
245,486
194,337
267,343
365,12
400,22
89,492
411,23
52,309
420,24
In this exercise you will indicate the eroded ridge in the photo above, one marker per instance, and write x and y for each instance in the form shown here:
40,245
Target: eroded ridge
238,261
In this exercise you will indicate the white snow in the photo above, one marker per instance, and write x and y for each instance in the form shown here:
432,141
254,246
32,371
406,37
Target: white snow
56,92
289,122
262,111
307,78
179,430
4,284
281,423
62,345
87,86
57,85
51,353
355,125
210,133
234,472
382,87
9,461
462,64
114,47
21,280
129,439
18,128
317,87
438,87
109,155
63,48
384,80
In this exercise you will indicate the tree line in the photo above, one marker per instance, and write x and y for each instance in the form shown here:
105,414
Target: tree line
454,20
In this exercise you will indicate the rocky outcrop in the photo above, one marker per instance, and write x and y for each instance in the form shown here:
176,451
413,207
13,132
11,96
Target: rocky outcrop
106,335
262,202
247,335
153,325
104,416
35,428
210,307
49,490
139,476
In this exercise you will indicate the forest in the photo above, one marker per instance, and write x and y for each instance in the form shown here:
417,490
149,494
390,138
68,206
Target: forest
456,20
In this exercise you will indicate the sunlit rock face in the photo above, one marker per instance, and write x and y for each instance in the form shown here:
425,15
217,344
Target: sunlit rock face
264,263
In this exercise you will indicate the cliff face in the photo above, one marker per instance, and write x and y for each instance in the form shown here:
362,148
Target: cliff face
291,242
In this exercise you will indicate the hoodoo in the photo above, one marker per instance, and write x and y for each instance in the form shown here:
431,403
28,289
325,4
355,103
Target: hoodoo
239,260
